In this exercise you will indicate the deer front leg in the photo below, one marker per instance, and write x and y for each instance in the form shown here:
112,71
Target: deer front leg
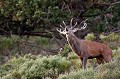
84,62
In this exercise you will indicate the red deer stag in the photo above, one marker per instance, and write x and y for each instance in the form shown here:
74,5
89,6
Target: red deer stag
85,49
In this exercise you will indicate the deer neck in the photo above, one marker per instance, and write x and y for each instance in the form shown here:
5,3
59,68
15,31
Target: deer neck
75,43
72,39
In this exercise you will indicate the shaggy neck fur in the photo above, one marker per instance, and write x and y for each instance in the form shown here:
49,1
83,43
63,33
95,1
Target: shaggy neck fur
74,43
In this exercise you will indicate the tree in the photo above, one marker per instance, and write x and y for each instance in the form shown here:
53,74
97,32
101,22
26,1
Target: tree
42,17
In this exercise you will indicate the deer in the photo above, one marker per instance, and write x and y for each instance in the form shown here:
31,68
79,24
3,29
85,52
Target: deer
83,48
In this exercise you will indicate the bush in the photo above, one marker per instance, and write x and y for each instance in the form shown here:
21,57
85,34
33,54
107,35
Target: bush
90,37
58,67
30,66
104,38
80,74
5,43
66,50
111,37
109,70
116,53
41,41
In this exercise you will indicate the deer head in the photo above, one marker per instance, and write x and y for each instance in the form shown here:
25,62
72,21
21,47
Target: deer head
71,29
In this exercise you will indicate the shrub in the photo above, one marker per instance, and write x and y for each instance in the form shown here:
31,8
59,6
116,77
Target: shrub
5,43
80,74
109,70
104,38
66,50
30,66
90,37
41,41
116,53
111,37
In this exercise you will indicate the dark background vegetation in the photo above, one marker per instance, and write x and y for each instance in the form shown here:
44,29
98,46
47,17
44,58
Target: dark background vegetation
31,48
42,17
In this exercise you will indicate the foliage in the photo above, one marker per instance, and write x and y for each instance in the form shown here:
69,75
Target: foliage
80,74
37,17
57,66
5,43
8,42
31,66
46,10
109,70
90,37
41,41
65,51
112,39
103,71
116,53
24,15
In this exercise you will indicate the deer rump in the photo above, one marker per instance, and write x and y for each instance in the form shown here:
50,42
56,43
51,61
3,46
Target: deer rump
90,49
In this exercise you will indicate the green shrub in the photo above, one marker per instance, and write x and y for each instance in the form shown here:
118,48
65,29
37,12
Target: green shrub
80,74
90,37
116,53
58,67
5,43
111,37
104,38
30,66
109,70
66,50
41,41
13,75
114,37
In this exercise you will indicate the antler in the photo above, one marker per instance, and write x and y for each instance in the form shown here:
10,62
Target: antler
65,29
75,25
72,28
62,32
85,24
83,27
71,23
64,23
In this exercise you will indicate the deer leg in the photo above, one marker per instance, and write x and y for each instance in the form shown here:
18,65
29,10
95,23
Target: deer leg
84,62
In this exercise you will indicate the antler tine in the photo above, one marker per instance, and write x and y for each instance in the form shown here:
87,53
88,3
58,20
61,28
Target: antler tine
85,25
64,23
60,31
75,25
61,26
85,20
71,22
